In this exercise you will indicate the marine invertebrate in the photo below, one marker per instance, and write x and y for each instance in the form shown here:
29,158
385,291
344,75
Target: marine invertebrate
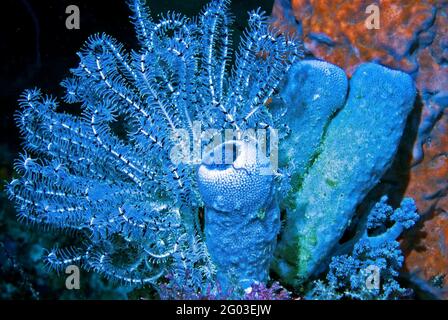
259,291
356,149
242,216
120,175
337,33
413,37
108,174
311,94
375,249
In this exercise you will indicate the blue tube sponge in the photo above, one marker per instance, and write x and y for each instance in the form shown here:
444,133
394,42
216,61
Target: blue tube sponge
357,148
242,218
311,94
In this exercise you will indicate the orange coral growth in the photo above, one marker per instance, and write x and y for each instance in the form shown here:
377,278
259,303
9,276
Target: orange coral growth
348,41
429,256
428,185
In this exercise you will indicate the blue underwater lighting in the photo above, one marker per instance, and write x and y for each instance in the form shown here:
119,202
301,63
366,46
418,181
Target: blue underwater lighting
195,229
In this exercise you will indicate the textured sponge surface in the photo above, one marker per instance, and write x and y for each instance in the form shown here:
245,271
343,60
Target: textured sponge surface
242,218
357,148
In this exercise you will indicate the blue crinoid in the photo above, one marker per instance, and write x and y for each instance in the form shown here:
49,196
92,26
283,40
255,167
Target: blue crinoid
108,175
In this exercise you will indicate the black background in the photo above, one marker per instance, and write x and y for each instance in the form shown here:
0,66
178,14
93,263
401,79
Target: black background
37,50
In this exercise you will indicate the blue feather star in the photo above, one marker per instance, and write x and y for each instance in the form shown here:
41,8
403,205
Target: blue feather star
107,174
